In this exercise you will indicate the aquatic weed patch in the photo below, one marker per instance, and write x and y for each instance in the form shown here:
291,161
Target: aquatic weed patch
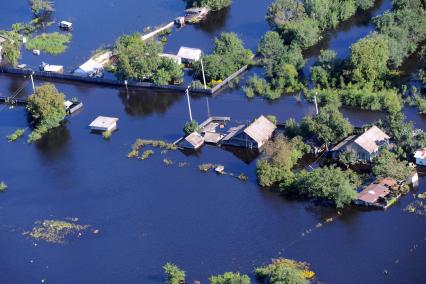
416,207
299,270
140,143
3,186
55,231
53,43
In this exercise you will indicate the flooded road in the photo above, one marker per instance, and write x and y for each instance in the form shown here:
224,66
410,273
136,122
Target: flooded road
148,213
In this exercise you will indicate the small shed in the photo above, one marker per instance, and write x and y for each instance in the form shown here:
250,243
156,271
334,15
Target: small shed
72,107
89,68
65,25
175,58
104,123
192,141
53,68
372,193
420,156
189,54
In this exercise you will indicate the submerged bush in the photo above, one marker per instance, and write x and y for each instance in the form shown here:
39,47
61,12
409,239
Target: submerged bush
285,271
3,186
190,126
146,154
106,134
174,275
55,231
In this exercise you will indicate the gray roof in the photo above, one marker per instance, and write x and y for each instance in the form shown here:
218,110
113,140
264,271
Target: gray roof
212,137
344,143
260,129
370,140
233,131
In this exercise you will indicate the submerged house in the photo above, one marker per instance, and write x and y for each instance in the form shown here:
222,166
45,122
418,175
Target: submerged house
365,146
104,123
212,129
420,156
254,136
378,194
90,68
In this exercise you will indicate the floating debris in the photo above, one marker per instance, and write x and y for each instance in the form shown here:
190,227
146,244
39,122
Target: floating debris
417,207
55,231
183,164
167,162
243,177
207,167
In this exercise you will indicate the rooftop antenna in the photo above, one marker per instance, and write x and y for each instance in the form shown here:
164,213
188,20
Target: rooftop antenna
189,103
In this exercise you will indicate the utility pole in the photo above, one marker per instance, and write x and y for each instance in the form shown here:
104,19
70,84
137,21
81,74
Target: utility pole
316,103
32,81
189,103
204,76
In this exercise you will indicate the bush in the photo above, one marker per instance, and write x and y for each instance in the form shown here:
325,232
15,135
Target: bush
212,4
146,154
174,275
11,51
106,134
285,271
230,278
3,186
388,165
53,43
41,8
190,127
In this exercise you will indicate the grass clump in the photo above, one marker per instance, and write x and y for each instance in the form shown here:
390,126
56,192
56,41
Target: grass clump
243,177
106,134
55,231
174,275
167,162
16,135
53,43
207,167
140,143
133,154
3,186
146,154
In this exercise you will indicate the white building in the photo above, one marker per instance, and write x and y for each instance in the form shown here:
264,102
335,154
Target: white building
53,68
189,54
104,123
88,68
420,156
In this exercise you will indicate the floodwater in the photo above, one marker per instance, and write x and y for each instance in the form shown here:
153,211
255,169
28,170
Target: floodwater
148,213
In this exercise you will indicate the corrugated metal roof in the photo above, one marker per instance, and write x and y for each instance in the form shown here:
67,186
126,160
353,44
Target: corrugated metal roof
260,129
195,139
372,192
233,131
190,53
371,139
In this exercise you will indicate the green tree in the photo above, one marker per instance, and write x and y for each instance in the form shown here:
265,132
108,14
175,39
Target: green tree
271,45
286,79
369,58
47,108
212,4
41,8
304,32
319,77
329,126
388,165
11,48
230,278
174,275
190,126
284,11
329,183
137,59
284,271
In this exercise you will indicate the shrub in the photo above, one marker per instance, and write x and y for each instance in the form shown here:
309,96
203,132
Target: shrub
106,134
190,127
230,278
285,271
174,275
3,186
146,154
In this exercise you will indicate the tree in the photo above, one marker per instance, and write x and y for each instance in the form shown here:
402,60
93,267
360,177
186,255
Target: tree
286,79
212,4
137,59
330,126
369,58
304,33
174,275
41,8
283,11
11,48
271,45
329,183
190,126
230,278
47,108
388,165
319,77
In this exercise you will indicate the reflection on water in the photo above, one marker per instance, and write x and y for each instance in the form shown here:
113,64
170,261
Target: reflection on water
215,21
147,102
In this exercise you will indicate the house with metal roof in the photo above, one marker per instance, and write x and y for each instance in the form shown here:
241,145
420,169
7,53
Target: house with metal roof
189,54
378,194
365,146
254,136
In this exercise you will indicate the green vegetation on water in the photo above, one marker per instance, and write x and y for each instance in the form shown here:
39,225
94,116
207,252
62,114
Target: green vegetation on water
174,275
190,126
106,134
55,231
16,135
285,271
53,43
146,154
230,278
212,4
41,8
3,186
